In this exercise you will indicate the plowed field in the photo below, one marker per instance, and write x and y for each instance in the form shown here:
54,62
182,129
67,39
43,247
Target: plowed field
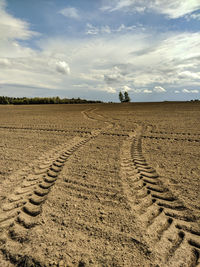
100,185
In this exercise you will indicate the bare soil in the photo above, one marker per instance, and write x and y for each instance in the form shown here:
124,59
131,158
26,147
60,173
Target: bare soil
100,185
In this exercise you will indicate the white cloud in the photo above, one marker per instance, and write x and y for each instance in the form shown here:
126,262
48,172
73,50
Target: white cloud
176,8
176,91
94,30
126,88
11,27
103,88
5,62
40,72
123,4
137,91
190,91
102,62
80,85
190,74
105,29
159,89
70,12
11,31
171,8
146,91
122,27
91,29
110,90
62,67
21,65
194,16
113,61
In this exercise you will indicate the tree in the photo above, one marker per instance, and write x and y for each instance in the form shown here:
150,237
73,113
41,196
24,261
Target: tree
121,97
126,97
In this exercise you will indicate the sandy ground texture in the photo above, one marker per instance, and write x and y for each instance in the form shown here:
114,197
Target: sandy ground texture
100,185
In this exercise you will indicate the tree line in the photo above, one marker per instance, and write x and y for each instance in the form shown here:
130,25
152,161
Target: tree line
5,100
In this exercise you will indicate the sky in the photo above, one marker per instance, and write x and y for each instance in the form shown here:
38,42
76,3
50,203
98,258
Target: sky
94,49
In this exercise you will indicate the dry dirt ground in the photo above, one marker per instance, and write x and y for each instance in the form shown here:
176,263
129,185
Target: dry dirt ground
100,185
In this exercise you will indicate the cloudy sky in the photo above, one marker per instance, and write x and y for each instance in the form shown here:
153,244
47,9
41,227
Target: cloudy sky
95,48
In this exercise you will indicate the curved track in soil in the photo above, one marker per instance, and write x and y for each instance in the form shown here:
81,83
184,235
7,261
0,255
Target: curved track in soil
170,229
20,210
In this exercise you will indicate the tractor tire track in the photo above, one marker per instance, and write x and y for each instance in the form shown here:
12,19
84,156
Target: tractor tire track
95,206
21,209
169,228
170,138
25,203
44,129
174,133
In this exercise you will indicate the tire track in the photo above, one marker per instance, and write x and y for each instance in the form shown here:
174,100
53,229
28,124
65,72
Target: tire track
21,209
44,129
94,210
24,205
170,138
174,133
170,229
115,134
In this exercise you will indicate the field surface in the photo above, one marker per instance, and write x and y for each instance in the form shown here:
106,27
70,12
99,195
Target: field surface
100,185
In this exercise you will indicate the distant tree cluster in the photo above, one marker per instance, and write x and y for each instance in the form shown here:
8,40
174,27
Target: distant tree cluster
124,97
5,100
195,100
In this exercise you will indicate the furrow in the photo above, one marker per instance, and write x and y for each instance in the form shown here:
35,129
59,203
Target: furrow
171,138
97,194
95,187
93,197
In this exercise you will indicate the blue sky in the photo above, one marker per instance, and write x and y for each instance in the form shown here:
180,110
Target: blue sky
95,48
